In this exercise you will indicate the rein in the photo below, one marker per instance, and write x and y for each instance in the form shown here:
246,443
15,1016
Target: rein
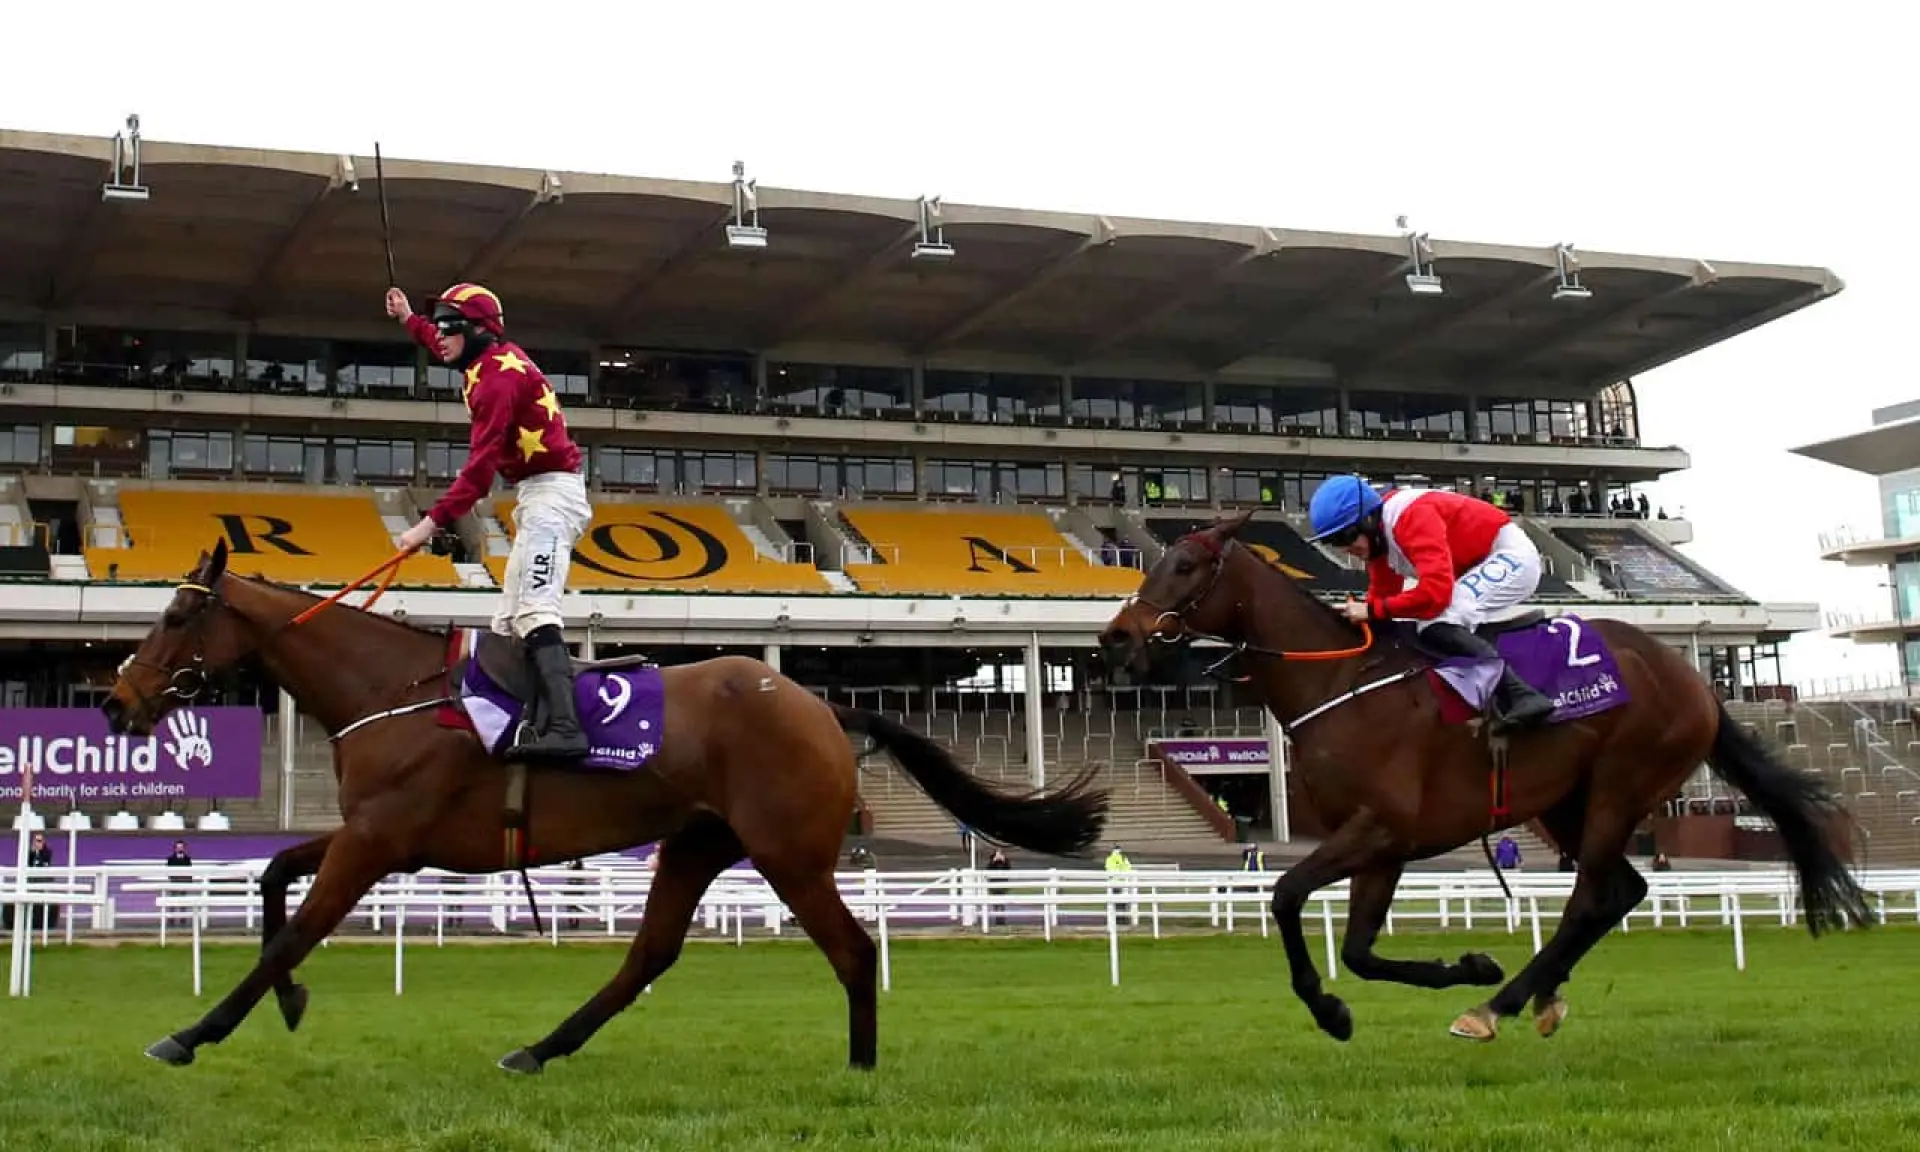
189,681
1178,615
390,566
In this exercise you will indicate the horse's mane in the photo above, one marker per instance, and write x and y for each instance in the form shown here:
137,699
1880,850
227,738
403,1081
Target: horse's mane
296,590
1312,598
1347,627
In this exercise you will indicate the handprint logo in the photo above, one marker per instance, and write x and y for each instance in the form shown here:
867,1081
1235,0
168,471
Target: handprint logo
189,746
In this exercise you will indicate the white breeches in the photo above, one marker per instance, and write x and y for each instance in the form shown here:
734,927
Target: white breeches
1505,579
550,514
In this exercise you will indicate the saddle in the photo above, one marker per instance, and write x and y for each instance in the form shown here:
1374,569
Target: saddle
621,704
1491,631
503,660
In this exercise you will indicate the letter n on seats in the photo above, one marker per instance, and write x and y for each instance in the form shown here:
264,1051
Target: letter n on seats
979,548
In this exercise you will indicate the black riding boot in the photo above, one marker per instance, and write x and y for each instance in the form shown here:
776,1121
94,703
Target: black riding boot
1516,704
556,734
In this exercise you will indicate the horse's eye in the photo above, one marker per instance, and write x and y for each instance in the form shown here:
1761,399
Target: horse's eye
1183,567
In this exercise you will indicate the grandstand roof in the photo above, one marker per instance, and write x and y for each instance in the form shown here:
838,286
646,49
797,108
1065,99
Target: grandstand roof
1879,451
241,233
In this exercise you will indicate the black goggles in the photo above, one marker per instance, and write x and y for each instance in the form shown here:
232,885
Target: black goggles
1344,537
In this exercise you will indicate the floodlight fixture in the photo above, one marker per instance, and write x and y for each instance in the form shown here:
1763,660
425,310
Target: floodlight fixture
125,184
1569,287
932,244
1423,280
745,231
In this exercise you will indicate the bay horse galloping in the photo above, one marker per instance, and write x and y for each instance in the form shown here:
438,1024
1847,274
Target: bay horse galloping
1390,753
718,760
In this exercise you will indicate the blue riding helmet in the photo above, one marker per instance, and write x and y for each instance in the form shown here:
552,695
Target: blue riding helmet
1340,503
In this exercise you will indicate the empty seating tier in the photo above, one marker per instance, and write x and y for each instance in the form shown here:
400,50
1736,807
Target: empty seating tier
295,539
671,548
1630,561
987,553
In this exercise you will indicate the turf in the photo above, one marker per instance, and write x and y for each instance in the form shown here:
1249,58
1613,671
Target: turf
982,1045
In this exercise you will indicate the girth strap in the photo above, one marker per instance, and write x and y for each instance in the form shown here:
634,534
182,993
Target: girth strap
516,815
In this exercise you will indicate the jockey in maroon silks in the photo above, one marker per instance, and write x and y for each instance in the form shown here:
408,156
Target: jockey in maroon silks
519,434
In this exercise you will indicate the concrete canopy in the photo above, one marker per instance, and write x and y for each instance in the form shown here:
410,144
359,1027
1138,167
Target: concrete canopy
235,235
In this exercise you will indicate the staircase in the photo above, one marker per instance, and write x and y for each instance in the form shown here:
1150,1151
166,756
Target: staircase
835,543
396,512
101,526
15,530
1143,808
765,532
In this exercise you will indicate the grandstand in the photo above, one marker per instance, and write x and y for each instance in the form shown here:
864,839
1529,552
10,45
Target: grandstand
918,485
1889,451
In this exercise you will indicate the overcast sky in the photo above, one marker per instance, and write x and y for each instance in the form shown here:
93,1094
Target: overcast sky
1725,131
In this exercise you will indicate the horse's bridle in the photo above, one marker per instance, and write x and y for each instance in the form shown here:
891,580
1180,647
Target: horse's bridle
189,681
1178,613
1188,633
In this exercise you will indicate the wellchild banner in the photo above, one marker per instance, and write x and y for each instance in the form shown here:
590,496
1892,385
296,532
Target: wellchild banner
1200,752
194,753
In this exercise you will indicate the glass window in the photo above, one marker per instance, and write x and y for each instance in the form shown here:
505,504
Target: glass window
386,369
958,395
287,456
98,450
357,460
174,452
839,389
890,475
663,380
1244,487
1104,401
444,458
286,363
712,471
802,474
23,349
630,467
1166,403
20,444
566,369
1306,411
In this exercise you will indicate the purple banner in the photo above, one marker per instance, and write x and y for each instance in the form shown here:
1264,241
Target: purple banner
1202,752
195,753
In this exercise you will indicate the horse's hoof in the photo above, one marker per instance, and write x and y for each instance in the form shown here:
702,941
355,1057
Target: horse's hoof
1334,1018
1481,969
522,1061
1479,1025
171,1051
1548,1017
293,1006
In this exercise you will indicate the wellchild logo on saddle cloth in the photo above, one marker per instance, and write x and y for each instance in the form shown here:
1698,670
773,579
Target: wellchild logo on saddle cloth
1562,658
622,713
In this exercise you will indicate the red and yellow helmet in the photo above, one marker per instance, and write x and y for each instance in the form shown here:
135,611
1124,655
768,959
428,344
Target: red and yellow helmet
475,304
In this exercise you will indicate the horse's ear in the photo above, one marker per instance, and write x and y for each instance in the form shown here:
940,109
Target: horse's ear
1229,527
216,565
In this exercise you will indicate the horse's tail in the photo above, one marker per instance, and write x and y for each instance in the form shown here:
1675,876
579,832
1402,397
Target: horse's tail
1063,822
1807,817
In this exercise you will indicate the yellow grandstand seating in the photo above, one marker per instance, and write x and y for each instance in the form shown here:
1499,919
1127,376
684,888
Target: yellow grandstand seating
292,538
986,553
670,548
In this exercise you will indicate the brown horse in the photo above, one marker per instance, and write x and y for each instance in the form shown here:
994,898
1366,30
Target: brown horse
1395,782
749,764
